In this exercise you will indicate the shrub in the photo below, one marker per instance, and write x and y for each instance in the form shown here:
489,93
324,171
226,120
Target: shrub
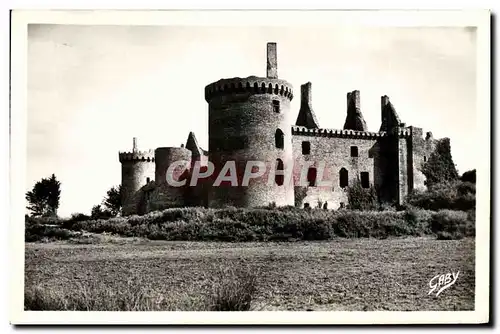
352,224
281,224
418,219
233,290
453,196
78,217
226,229
98,212
75,217
39,232
453,224
360,198
54,221
469,176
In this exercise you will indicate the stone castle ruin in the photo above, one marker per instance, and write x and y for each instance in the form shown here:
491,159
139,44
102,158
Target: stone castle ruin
250,120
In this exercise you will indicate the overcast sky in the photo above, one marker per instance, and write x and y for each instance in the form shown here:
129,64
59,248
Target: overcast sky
92,88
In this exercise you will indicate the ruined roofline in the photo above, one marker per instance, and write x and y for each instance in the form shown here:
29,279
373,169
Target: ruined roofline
252,84
148,155
303,131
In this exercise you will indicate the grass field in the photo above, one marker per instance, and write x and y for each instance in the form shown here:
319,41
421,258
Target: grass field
342,274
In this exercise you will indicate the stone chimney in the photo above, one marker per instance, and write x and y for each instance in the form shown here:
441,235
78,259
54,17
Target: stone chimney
384,100
134,144
272,61
353,100
390,118
305,96
306,115
354,119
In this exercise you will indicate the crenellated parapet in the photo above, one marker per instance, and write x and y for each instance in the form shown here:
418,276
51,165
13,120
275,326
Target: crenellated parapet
148,155
252,85
303,131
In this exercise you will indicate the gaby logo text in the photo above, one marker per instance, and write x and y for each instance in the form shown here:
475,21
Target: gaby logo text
442,282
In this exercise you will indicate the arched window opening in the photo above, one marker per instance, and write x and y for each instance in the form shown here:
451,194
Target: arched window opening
279,179
147,180
311,176
344,178
279,138
354,151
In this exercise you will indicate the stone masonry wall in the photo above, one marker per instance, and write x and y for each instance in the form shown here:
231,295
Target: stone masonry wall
336,153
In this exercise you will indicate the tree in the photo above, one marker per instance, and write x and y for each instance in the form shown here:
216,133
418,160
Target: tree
113,200
439,167
98,212
469,176
44,198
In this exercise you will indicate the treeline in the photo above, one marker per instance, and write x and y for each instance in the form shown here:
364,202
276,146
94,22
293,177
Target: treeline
43,201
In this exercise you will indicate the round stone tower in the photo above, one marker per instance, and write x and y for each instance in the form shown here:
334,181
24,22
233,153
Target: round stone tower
167,195
138,169
165,157
250,120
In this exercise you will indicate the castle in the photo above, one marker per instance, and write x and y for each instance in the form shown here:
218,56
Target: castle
250,120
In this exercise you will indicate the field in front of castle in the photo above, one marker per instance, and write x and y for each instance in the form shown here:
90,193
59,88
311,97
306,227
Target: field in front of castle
338,275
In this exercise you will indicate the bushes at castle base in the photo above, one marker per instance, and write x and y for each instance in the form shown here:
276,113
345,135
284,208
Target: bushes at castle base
456,195
37,229
469,176
419,219
283,224
449,224
360,198
374,224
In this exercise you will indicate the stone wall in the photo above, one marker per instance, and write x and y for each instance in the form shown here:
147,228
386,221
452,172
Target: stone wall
335,153
163,196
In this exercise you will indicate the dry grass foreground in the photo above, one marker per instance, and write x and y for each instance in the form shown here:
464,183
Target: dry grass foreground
343,275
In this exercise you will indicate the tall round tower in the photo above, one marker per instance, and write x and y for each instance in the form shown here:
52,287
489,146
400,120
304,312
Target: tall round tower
138,169
250,120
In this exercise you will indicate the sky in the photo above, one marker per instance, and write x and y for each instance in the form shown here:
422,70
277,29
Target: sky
91,89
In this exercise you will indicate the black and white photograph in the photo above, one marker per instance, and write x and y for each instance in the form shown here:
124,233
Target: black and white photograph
330,165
